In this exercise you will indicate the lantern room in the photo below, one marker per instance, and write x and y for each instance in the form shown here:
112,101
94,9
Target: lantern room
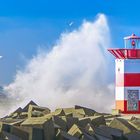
132,42
131,49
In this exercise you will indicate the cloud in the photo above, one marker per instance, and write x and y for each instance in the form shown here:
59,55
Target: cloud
75,71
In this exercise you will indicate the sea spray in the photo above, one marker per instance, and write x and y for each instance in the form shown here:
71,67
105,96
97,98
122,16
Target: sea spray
75,71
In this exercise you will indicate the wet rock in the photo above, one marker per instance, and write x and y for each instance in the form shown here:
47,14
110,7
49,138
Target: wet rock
122,125
34,122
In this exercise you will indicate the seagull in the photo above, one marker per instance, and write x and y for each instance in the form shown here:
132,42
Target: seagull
71,23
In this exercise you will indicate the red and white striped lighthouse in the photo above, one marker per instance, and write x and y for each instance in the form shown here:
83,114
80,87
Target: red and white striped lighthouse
127,92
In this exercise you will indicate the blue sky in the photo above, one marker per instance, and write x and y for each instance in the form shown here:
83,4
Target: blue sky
26,26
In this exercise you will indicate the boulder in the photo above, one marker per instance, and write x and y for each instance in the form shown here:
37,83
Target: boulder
122,125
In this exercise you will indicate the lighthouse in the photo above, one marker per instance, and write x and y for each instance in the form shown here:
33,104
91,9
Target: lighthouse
127,75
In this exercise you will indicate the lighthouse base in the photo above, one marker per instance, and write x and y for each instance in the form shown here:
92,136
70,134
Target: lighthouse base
119,112
130,106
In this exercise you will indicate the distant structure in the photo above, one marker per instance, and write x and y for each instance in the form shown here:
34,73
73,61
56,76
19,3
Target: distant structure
127,92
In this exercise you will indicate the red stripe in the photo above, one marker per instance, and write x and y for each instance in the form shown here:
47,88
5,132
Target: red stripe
113,52
121,53
128,79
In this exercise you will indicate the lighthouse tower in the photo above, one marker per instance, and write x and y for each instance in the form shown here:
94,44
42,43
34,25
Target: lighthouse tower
127,81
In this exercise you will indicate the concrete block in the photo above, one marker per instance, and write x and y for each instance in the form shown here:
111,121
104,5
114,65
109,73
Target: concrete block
60,122
132,136
37,111
96,121
122,125
83,122
116,112
88,112
8,136
49,130
65,136
108,132
17,131
25,109
59,112
75,131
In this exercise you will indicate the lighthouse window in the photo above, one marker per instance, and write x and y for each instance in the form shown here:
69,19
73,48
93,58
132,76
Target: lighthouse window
118,69
133,98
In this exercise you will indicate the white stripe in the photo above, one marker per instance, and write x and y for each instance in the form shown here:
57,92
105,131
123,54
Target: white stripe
122,93
132,66
119,93
119,65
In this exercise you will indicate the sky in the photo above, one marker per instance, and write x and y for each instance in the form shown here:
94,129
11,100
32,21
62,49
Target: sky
29,26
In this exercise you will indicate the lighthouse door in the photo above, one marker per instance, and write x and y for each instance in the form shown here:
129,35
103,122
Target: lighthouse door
132,100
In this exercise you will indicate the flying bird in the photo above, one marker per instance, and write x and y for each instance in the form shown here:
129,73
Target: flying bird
71,23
